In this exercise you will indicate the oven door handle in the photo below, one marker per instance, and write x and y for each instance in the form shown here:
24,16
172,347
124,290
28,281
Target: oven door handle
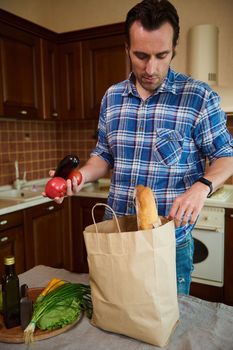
209,228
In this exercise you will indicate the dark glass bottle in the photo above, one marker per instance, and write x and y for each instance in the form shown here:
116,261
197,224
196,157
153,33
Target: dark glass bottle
10,294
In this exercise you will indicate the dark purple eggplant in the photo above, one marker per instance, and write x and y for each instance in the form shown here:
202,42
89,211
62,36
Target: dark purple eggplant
66,165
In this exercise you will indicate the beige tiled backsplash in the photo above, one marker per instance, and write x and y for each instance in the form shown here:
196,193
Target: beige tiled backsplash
39,145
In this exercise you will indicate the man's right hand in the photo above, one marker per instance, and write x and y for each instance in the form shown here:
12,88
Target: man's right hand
72,187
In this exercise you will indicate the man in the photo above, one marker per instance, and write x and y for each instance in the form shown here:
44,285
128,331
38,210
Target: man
157,128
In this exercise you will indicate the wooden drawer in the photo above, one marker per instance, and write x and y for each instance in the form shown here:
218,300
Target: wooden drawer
11,220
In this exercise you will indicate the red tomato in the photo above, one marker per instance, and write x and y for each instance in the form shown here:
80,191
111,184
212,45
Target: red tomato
55,187
77,174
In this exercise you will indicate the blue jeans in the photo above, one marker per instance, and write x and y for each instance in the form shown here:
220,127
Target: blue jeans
184,264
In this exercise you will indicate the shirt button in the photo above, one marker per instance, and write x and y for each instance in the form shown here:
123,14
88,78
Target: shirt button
133,181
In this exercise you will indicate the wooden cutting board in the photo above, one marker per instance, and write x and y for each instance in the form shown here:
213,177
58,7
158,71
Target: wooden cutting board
16,334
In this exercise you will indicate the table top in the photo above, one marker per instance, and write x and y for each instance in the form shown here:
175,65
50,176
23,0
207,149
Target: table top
203,325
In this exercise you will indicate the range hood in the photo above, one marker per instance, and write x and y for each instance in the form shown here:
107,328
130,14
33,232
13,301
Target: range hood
203,61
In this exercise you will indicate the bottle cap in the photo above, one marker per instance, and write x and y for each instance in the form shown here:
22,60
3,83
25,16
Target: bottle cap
9,260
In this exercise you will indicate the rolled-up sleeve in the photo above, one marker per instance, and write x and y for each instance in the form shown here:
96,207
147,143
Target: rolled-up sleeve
211,134
102,149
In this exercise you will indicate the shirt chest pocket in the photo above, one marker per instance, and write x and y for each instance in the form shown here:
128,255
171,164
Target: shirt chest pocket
167,147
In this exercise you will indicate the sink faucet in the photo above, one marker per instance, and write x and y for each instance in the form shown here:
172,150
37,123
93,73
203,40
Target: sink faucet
19,183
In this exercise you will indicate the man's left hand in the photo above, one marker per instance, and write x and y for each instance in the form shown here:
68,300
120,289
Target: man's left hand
186,207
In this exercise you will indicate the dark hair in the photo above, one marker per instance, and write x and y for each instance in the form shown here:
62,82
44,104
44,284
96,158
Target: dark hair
152,14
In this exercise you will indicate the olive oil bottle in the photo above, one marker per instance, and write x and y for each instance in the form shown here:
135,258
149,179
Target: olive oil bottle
10,294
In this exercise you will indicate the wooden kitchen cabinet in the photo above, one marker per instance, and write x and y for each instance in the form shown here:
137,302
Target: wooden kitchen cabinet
81,217
48,239
12,240
48,75
104,64
50,80
71,81
20,73
207,292
228,260
89,67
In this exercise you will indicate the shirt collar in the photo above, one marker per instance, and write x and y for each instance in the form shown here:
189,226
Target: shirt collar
168,85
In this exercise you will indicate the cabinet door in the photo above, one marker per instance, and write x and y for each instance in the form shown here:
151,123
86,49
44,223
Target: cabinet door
50,80
20,74
48,235
12,240
104,63
228,261
71,81
207,292
81,217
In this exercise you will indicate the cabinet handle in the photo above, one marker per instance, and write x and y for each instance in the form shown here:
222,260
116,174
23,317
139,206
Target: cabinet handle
3,222
4,239
231,216
23,112
55,114
50,208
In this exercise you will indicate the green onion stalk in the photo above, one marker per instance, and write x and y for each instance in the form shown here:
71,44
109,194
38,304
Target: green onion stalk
57,302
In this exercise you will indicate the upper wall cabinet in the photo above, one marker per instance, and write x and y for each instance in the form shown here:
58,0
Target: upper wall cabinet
71,81
20,73
104,64
88,68
57,76
50,80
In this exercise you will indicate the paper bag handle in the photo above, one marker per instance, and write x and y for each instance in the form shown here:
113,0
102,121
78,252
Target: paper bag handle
113,212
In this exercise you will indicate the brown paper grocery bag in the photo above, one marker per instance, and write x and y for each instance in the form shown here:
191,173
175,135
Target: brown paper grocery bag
133,278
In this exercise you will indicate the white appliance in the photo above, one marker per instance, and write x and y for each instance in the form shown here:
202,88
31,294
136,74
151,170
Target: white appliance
203,61
209,247
208,234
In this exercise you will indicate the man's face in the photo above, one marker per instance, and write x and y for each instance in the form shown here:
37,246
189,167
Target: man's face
150,53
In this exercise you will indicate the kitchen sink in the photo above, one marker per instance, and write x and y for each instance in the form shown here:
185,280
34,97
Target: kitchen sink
34,191
23,195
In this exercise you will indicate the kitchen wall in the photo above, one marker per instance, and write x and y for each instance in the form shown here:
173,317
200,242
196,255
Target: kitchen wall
38,145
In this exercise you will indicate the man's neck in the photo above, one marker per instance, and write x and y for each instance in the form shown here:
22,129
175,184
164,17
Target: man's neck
144,94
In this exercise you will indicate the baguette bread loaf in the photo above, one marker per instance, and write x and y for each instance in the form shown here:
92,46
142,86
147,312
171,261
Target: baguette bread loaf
146,209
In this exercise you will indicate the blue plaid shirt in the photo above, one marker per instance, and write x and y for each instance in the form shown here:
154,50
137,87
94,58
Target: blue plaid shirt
162,142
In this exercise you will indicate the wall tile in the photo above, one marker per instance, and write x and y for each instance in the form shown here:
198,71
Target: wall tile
39,145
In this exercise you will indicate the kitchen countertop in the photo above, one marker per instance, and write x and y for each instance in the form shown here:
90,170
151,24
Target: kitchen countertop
99,189
222,198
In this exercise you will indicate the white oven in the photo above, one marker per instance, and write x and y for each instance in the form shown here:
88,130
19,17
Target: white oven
208,237
209,247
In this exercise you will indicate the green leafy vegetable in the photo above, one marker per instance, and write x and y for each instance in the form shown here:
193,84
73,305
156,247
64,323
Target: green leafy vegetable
63,313
59,307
